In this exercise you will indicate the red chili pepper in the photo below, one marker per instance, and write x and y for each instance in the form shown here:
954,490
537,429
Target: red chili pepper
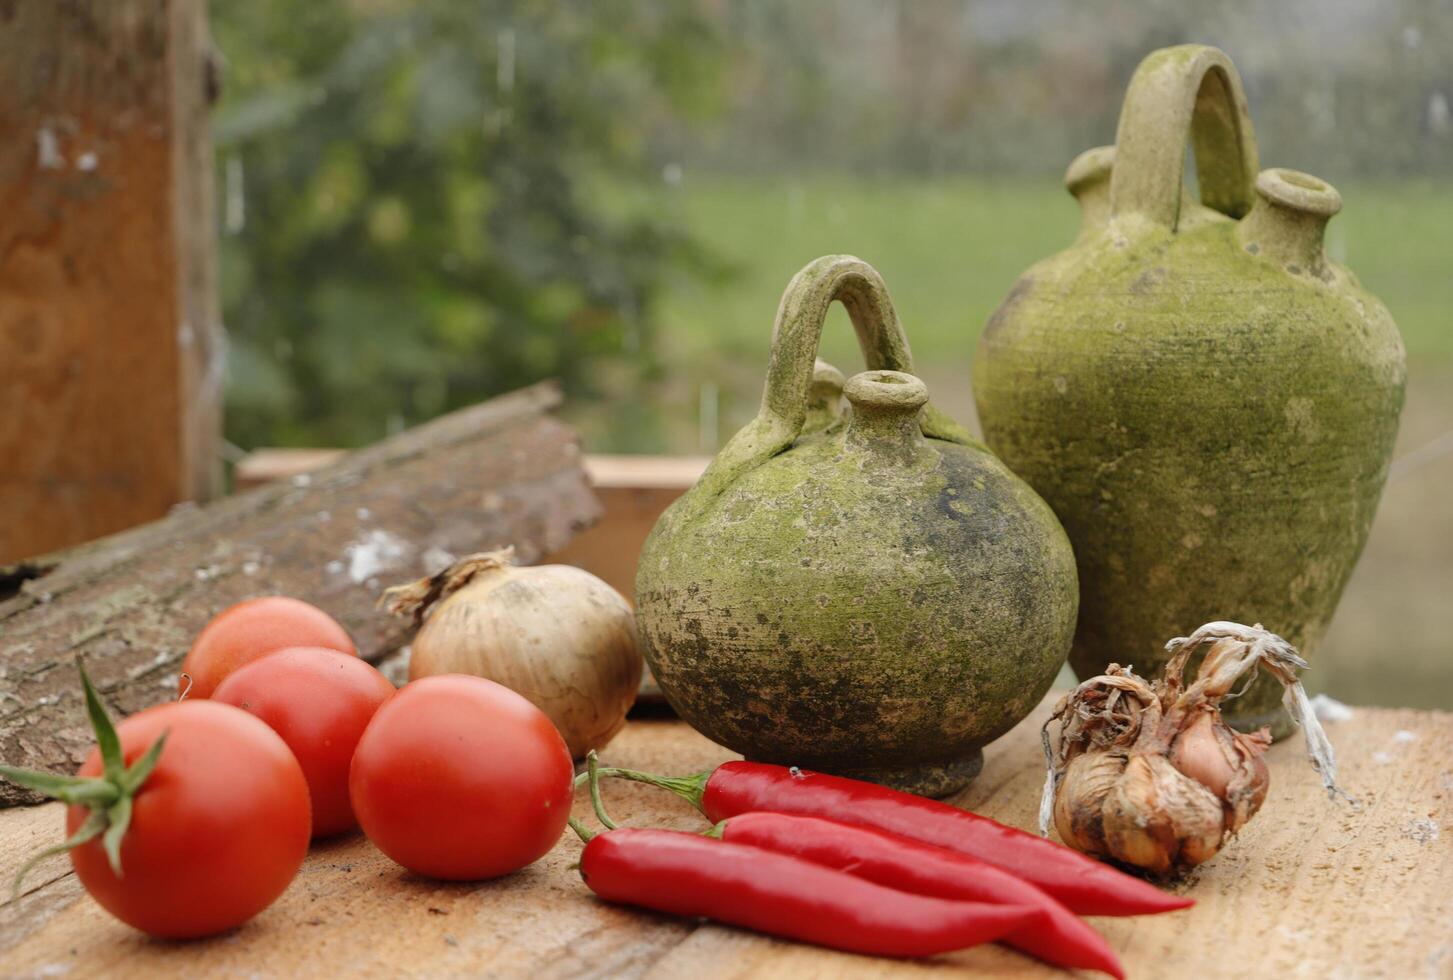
910,866
1082,884
686,874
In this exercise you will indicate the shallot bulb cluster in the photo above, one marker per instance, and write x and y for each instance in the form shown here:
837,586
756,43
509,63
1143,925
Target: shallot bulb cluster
1149,774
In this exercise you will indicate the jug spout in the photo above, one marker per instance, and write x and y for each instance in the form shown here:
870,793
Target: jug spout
885,405
824,398
1287,222
1088,179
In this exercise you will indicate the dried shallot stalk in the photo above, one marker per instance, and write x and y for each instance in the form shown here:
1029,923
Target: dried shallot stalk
1149,774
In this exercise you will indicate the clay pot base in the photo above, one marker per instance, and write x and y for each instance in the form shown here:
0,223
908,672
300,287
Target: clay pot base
935,780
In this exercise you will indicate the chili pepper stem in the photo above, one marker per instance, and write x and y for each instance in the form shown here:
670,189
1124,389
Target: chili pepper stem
691,788
591,777
592,769
581,831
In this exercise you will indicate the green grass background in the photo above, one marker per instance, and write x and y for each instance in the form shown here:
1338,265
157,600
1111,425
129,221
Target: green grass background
950,249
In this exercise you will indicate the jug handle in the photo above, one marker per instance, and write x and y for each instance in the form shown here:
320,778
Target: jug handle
1188,90
796,335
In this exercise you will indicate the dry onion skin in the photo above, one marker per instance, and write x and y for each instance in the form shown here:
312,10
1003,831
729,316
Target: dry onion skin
553,633
1149,775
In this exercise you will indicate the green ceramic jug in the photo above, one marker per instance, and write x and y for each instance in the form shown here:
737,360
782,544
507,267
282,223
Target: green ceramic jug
871,593
1205,399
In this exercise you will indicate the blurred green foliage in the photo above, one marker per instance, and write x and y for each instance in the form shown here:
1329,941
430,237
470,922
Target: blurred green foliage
428,202
411,207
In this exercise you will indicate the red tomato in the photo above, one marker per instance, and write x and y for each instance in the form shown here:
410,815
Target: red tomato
251,629
458,777
217,831
319,701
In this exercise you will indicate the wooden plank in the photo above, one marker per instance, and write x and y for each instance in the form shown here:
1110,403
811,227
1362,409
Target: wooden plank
1311,888
504,472
623,472
606,471
263,466
110,340
633,491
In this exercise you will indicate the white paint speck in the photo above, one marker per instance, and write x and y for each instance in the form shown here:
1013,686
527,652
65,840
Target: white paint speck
202,574
161,657
1330,709
48,149
1297,936
1382,758
1423,830
363,513
302,480
1403,735
86,161
375,551
250,568
436,559
334,567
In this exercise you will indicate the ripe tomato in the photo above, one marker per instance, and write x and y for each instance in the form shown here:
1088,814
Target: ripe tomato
319,701
251,629
217,831
461,778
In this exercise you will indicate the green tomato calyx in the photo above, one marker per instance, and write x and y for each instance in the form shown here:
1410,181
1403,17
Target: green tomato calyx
108,796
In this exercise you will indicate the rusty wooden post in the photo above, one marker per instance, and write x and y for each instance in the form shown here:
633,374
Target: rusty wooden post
110,341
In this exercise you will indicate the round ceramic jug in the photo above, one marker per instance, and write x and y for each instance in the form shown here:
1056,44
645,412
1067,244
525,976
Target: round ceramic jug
1205,399
872,594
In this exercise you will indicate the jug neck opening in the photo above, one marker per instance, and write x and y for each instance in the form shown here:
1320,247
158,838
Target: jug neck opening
1289,219
886,405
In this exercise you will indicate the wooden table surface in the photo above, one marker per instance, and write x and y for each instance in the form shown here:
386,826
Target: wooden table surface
1311,888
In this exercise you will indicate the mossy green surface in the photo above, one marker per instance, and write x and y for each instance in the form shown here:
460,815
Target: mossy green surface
867,600
1212,425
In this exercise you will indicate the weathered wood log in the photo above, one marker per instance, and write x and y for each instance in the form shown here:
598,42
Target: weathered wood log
110,338
504,472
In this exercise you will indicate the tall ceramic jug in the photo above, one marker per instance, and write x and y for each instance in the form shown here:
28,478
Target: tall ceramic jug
870,594
1205,399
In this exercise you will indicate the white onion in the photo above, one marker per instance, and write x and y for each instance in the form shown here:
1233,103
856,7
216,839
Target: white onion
554,633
